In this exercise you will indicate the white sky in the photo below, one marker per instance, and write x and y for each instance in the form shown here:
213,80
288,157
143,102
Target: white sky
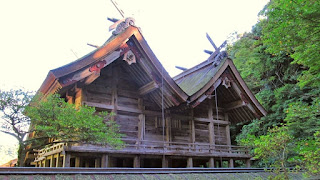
39,35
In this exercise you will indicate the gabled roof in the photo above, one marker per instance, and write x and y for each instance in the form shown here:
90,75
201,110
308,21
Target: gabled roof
191,87
87,68
200,81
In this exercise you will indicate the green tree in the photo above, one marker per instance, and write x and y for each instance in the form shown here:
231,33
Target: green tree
14,122
293,27
53,118
279,60
273,149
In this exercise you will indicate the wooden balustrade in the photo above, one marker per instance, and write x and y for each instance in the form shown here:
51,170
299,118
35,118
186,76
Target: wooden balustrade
184,147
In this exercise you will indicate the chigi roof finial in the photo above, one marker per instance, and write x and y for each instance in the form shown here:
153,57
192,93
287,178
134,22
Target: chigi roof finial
122,24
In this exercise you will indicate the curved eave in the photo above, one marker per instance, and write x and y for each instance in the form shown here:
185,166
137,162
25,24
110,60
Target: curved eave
143,45
95,55
51,83
244,87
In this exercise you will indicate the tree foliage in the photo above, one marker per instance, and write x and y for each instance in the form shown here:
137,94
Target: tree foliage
293,27
14,122
53,120
280,61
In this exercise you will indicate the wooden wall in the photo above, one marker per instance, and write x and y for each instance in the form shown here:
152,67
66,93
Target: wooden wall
116,90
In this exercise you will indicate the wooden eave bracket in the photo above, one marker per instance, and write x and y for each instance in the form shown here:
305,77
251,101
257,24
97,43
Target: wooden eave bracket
234,105
207,94
240,103
91,73
151,86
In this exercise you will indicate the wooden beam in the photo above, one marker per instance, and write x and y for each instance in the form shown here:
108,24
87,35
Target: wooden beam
98,105
66,160
211,124
211,162
122,108
141,124
58,160
104,161
147,88
192,128
97,162
51,161
168,128
77,161
248,163
190,162
231,163
227,130
136,161
114,97
234,105
78,98
92,77
165,162
214,121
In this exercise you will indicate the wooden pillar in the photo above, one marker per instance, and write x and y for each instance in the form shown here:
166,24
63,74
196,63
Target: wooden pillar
192,128
136,161
104,161
211,162
51,161
69,98
226,118
212,139
231,163
168,127
97,163
248,163
79,97
165,162
77,161
86,164
141,124
58,160
190,163
114,98
66,160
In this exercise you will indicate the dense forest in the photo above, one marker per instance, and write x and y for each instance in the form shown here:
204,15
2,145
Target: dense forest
280,61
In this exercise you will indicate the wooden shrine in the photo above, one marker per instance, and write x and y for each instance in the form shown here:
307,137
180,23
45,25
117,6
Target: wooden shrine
167,122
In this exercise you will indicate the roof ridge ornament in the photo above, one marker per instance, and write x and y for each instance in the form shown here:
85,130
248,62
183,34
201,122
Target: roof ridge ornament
122,25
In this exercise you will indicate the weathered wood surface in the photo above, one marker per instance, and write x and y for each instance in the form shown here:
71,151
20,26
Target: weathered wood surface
202,131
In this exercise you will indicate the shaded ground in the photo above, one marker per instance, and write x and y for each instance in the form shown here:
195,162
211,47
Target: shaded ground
198,176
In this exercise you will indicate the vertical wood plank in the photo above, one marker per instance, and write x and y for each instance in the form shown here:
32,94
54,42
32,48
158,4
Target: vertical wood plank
141,124
231,163
226,117
66,160
105,161
58,160
192,127
136,161
77,162
211,125
168,126
97,163
190,162
248,163
114,98
165,162
78,97
211,162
